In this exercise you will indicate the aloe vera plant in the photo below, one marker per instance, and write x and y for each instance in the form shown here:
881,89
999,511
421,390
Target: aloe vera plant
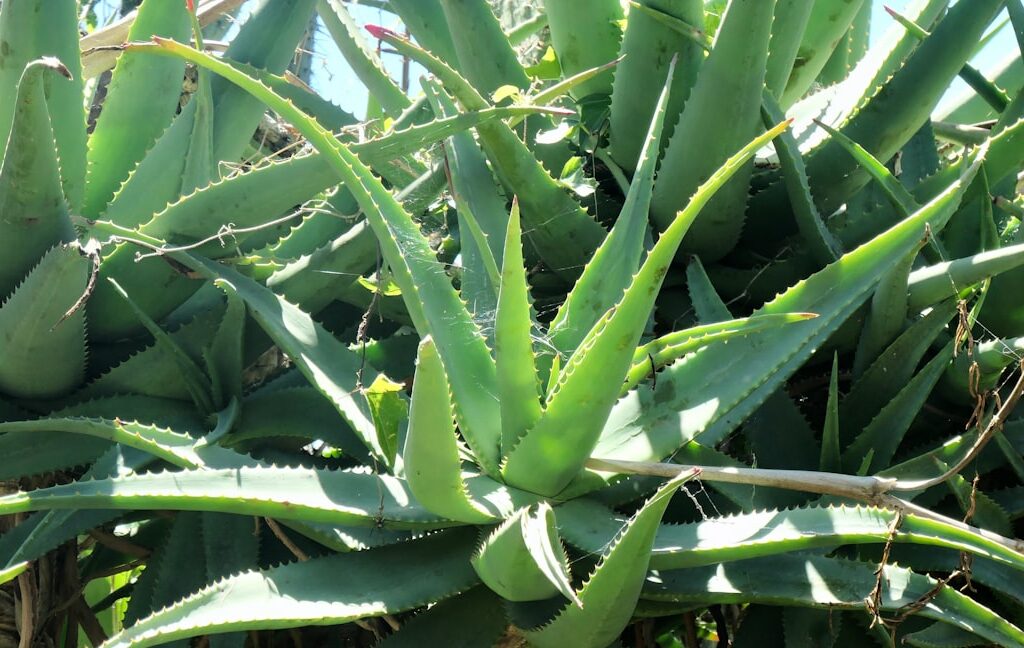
438,376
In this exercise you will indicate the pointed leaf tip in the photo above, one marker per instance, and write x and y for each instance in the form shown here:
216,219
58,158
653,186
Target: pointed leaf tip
381,33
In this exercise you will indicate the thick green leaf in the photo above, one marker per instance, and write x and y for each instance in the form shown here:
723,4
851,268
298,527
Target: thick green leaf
42,326
607,598
33,213
612,267
518,387
431,459
829,583
825,28
585,35
478,614
323,591
590,526
29,32
722,114
523,558
142,93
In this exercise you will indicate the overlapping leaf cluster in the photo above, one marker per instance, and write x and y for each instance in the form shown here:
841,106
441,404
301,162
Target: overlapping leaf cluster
435,377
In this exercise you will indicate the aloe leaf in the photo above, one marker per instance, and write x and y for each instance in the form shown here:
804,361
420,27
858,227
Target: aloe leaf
577,408
668,348
607,598
831,459
224,358
323,591
347,498
891,371
649,47
43,328
888,312
823,245
478,614
886,431
166,444
941,635
142,93
518,169
585,35
431,460
706,301
31,33
361,58
267,40
700,396
326,362
590,526
931,284
426,21
485,56
523,558
153,371
518,388
721,114
612,267
825,28
791,20
33,213
829,583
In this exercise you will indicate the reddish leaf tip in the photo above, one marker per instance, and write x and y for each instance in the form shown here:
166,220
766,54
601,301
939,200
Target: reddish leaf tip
379,32
191,5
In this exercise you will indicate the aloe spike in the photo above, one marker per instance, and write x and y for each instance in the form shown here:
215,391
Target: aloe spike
994,95
610,270
791,19
826,27
706,302
523,558
721,113
577,409
823,245
672,415
33,213
609,594
831,460
539,195
42,325
267,40
362,59
148,100
649,47
224,357
585,35
431,461
513,345
485,57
